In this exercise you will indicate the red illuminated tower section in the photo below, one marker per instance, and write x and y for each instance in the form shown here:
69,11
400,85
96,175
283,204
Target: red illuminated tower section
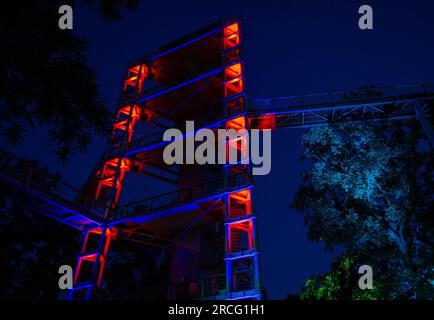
207,211
91,261
242,264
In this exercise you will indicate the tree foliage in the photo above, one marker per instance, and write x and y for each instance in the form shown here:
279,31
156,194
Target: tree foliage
370,192
338,284
111,9
33,246
45,79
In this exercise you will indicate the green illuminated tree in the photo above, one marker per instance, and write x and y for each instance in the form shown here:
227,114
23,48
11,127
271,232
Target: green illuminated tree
338,284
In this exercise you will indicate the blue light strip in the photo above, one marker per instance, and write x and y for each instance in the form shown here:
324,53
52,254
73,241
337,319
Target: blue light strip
185,44
256,297
176,209
325,123
76,214
288,110
240,219
247,255
216,71
183,136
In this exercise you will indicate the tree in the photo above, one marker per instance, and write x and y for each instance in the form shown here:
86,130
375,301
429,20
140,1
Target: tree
338,284
33,247
111,9
45,79
370,192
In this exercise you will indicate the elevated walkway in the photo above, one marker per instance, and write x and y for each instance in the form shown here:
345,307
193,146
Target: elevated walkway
49,196
303,111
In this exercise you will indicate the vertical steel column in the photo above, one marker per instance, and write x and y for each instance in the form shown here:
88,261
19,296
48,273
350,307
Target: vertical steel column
97,257
233,88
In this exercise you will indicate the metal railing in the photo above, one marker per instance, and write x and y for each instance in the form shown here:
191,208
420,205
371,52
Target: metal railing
31,175
180,196
196,289
359,96
205,287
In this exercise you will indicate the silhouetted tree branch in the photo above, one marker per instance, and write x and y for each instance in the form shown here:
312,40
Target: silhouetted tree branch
45,78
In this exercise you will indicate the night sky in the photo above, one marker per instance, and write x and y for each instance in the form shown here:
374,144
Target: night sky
290,47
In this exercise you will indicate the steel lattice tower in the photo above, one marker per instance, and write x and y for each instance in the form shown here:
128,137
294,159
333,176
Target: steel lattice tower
201,78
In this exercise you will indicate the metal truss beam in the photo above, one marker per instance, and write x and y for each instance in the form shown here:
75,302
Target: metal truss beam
399,102
24,188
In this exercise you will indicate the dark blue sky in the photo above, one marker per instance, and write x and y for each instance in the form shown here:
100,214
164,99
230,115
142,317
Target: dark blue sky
290,47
